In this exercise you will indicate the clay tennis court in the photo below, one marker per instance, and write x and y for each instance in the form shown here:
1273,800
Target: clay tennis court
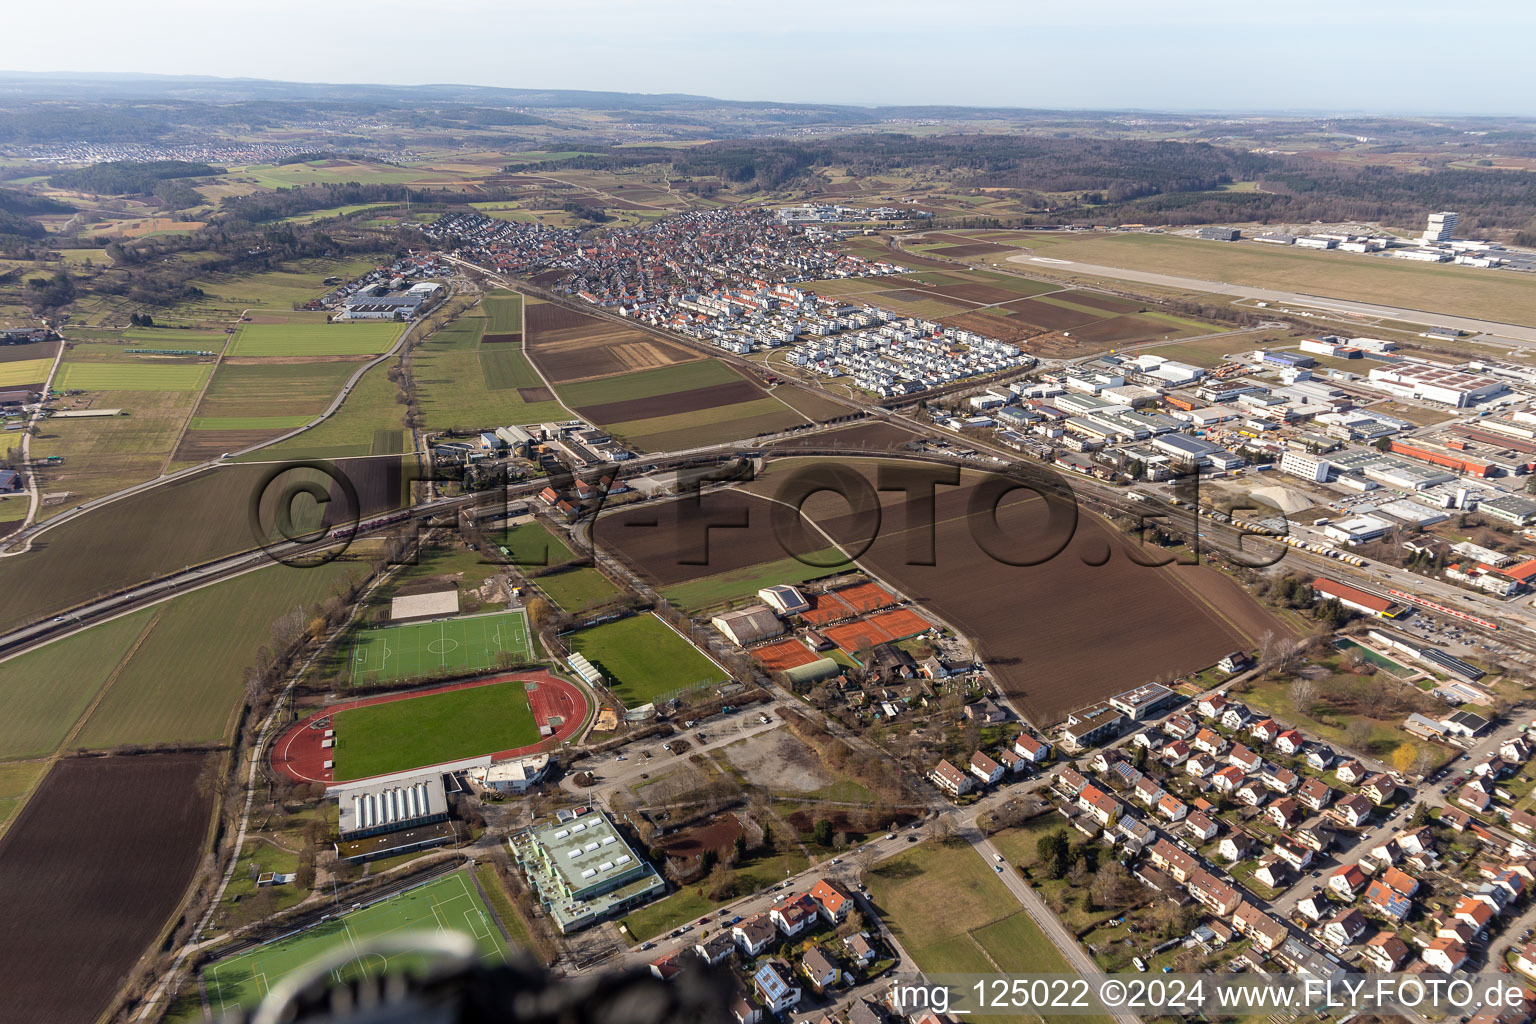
298,753
785,654
846,603
877,629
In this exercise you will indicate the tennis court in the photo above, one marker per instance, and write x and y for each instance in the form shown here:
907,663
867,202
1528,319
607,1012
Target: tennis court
468,643
450,903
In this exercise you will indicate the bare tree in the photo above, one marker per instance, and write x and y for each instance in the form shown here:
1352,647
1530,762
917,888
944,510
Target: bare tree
1303,694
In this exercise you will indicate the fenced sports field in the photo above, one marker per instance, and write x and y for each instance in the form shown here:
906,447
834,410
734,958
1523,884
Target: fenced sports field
470,643
450,903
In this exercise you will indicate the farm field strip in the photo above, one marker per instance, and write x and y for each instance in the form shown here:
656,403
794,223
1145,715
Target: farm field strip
315,339
24,371
132,376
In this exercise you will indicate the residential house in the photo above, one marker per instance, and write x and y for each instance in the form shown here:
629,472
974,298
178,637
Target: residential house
951,779
1180,726
1212,893
1315,836
1474,913
1474,799
794,914
820,968
1037,750
1402,881
755,934
775,986
1151,739
1298,856
1264,730
1385,952
1352,772
861,949
1168,857
745,1011
1241,757
1012,761
715,948
1172,808
1272,871
1314,908
1200,766
1289,742
1147,791
1314,794
1319,757
1525,960
1380,789
1201,827
985,769
1211,742
1266,932
1344,928
1347,881
1387,901
1251,793
831,900
1285,812
1175,753
1225,780
1354,810
1281,780
1213,706
1236,847
1069,781
667,966
1098,805
1236,716
1445,955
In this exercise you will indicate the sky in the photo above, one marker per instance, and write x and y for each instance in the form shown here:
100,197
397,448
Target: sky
1371,56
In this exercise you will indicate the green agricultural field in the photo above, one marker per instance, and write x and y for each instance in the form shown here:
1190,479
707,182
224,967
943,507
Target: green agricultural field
273,423
15,781
450,903
708,426
156,698
353,430
532,544
136,376
105,454
367,337
505,366
463,383
240,390
1464,291
45,691
227,296
577,589
744,582
643,658
983,929
24,371
504,310
465,644
664,380
403,735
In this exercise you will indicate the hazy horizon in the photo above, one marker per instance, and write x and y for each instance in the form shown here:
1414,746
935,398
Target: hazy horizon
1184,56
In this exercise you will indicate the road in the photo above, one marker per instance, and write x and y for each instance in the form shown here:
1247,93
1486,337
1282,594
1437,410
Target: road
1517,334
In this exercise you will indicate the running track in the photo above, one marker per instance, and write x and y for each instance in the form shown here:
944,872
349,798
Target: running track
299,755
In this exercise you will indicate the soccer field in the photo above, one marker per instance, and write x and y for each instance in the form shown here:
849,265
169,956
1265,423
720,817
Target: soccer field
401,735
446,904
468,643
643,658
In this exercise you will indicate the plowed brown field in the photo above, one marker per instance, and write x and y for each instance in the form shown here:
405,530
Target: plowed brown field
570,346
89,874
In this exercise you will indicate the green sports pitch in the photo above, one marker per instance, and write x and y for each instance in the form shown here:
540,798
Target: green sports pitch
450,903
468,643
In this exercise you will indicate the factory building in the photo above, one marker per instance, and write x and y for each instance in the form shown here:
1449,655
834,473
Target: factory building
1436,384
1305,466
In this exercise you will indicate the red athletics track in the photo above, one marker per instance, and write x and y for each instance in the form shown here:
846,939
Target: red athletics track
299,755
